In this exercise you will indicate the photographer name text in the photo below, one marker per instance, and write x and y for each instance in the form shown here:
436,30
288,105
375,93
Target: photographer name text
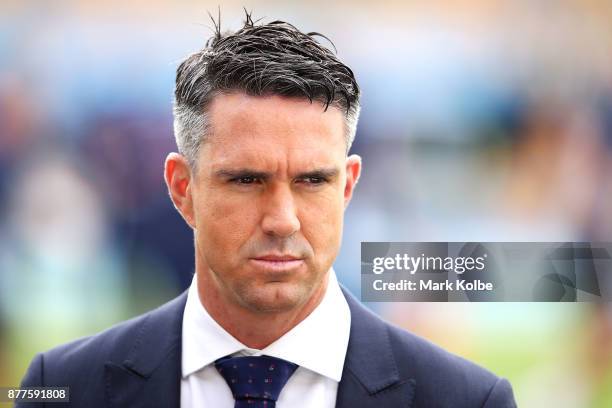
431,285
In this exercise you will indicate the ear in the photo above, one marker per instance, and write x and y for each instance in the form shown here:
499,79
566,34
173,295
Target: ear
177,174
353,171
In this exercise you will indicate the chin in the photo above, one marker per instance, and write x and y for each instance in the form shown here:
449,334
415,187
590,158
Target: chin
274,297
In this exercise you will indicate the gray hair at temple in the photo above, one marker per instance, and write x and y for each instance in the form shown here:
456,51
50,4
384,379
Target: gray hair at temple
259,59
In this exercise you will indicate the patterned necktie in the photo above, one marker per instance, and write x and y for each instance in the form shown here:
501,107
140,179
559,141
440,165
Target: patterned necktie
256,382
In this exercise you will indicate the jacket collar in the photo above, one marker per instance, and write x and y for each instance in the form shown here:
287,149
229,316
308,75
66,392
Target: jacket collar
371,377
150,373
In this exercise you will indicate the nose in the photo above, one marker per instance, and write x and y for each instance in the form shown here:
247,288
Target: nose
280,217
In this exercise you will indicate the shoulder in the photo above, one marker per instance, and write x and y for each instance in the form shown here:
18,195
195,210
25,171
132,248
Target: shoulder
85,357
444,376
89,353
441,378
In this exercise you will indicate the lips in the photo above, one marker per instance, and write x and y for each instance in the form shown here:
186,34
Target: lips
274,262
277,258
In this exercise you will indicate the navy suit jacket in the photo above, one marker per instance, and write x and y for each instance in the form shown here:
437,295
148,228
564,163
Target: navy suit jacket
137,363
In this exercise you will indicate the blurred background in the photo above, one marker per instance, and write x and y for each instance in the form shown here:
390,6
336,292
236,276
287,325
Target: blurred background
481,121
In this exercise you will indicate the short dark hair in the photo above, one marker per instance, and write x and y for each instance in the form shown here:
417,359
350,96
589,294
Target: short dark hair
259,59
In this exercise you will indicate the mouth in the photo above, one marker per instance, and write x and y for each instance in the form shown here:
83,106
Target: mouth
277,263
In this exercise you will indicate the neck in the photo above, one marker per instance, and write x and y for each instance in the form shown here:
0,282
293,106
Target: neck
246,324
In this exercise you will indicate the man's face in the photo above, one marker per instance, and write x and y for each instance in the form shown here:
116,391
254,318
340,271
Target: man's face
268,199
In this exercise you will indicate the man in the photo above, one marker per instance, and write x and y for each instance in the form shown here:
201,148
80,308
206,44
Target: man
264,119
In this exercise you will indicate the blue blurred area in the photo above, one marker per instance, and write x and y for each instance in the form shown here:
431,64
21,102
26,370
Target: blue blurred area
480,121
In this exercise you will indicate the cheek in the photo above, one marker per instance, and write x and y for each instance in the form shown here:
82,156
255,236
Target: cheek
321,222
224,225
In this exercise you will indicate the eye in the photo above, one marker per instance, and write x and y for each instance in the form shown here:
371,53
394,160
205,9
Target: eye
244,180
313,180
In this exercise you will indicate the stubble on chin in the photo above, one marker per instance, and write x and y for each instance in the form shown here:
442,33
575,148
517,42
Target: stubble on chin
277,296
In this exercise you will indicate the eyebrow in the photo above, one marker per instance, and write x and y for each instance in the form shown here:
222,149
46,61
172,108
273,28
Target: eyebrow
244,172
327,173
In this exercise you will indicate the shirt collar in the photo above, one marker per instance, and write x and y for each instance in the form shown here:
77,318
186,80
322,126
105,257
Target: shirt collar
318,342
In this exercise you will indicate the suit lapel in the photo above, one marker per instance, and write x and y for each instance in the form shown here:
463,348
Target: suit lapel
150,373
370,377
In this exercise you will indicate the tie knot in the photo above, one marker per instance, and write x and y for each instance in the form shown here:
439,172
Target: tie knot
255,379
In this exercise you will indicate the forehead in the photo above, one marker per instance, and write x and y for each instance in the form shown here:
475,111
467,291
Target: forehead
270,128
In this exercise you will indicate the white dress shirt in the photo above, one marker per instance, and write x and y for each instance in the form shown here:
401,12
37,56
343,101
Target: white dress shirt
317,345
